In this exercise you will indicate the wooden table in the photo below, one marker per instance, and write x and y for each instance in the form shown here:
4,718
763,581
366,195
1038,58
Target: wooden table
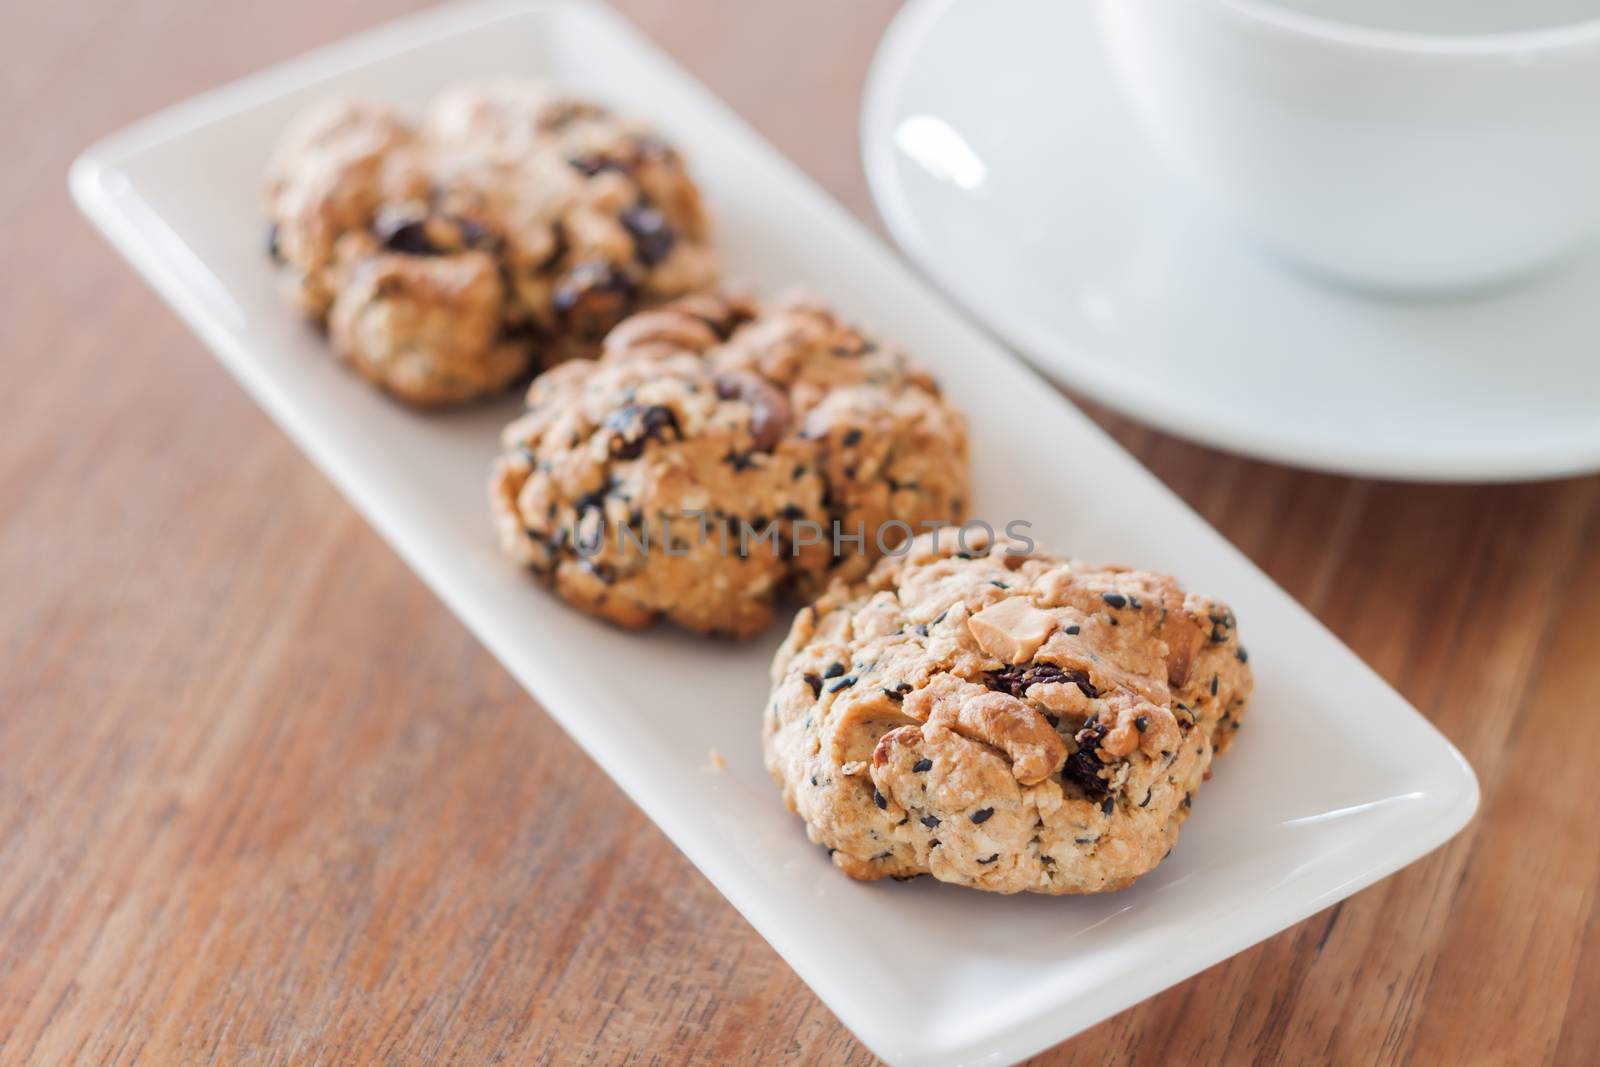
263,800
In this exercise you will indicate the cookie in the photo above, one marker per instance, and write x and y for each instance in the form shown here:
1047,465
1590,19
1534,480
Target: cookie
509,231
1002,718
702,466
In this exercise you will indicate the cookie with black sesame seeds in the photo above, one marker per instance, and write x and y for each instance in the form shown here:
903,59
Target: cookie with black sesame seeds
583,216
691,472
1014,721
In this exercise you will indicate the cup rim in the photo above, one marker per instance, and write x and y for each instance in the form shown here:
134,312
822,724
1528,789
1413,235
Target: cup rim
1270,14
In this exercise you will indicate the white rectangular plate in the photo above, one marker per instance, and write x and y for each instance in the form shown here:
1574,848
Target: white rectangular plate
1303,811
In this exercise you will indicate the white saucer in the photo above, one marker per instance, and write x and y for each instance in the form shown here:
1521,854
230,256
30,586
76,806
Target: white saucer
1006,166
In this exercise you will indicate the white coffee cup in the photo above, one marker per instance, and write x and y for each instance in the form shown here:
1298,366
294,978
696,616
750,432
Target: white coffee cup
1418,154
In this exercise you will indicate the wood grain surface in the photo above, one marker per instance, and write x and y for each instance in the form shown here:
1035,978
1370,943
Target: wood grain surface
263,801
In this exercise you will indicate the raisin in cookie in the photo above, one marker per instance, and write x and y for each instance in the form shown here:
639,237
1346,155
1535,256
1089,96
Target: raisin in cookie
509,231
1002,719
697,468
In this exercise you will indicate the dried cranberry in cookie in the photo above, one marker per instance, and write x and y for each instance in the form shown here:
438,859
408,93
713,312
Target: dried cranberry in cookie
1014,722
695,471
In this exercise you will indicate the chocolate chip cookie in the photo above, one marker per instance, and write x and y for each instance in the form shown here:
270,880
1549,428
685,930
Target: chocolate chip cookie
508,231
1002,718
718,454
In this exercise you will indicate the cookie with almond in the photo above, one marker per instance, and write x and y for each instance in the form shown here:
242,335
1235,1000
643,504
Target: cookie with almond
1002,718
